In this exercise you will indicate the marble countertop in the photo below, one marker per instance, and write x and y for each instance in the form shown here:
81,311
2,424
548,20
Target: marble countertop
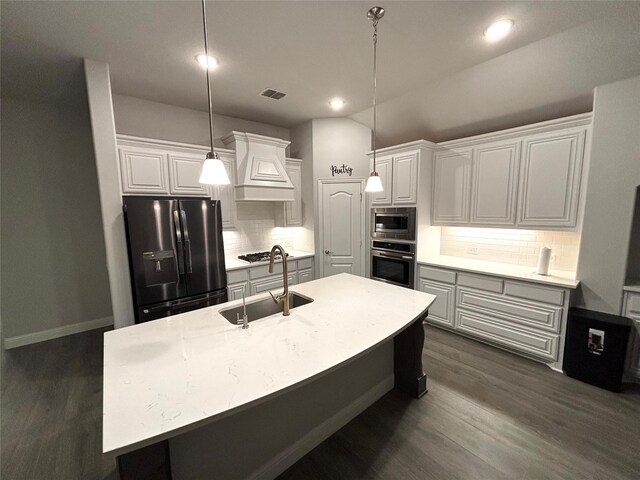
234,263
557,278
172,375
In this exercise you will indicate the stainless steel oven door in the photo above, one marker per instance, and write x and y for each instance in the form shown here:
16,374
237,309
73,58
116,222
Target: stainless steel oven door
393,268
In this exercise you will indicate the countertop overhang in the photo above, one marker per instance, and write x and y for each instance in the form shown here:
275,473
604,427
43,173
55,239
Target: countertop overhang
169,376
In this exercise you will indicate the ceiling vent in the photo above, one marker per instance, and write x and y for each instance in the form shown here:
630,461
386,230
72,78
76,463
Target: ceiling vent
271,93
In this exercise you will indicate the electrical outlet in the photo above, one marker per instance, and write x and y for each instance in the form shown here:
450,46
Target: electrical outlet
472,250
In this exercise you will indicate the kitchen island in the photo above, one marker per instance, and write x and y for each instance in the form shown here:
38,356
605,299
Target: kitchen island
215,389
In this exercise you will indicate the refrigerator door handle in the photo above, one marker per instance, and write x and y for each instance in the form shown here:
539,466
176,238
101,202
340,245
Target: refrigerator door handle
176,226
187,243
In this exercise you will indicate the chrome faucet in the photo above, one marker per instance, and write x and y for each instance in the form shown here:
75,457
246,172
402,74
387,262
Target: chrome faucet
284,297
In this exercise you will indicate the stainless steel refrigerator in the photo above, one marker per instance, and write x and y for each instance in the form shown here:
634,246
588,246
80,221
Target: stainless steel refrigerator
176,254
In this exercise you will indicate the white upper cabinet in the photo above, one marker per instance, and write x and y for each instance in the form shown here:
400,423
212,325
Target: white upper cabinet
550,180
143,171
384,167
405,178
226,193
494,177
526,177
293,210
184,172
451,182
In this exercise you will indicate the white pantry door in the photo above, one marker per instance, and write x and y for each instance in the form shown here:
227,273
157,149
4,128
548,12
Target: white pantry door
341,227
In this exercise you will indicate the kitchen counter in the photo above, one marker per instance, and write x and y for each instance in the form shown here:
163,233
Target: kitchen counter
173,375
557,278
633,287
234,263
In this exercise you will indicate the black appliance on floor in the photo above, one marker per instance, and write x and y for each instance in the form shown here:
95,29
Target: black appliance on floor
595,347
176,254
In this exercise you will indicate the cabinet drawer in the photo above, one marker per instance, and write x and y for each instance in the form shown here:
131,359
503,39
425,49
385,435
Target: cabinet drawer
490,284
305,263
305,275
534,292
441,310
446,276
537,344
237,276
263,270
273,282
539,316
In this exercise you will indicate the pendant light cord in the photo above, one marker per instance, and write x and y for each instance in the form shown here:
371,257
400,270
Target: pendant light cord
206,53
375,43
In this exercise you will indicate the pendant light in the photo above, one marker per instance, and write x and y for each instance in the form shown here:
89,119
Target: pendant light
213,171
374,184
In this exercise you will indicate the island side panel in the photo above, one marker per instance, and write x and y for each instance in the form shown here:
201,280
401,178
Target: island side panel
264,440
407,360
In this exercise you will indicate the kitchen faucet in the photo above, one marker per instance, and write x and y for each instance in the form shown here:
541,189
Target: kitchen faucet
284,297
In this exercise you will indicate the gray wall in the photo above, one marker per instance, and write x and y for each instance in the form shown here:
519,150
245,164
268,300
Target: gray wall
143,118
53,255
610,198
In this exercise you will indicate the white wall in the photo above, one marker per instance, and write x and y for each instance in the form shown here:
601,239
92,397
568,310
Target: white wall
614,176
327,142
143,118
54,274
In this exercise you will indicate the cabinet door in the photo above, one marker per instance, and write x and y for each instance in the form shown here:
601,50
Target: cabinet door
184,172
293,210
550,180
227,194
405,179
495,175
451,182
143,171
235,291
384,167
441,310
305,275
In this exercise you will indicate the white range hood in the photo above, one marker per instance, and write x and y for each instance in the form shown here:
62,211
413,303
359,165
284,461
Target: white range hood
260,167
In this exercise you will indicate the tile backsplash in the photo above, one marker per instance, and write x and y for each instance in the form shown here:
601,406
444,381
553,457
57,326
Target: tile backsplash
514,246
256,230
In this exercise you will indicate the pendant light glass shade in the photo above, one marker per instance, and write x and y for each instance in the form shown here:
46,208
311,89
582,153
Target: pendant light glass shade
213,171
374,184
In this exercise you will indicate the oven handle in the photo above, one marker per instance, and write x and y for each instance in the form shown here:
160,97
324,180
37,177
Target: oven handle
391,255
403,215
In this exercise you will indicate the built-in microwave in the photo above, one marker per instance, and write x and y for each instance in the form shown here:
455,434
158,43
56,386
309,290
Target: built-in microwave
393,223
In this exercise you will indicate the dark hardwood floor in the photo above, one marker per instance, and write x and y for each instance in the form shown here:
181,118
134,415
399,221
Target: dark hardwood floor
488,415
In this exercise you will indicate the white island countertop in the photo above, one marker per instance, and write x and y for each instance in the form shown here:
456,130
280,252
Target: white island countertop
172,375
558,278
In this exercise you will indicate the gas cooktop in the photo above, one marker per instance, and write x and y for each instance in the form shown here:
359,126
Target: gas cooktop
258,257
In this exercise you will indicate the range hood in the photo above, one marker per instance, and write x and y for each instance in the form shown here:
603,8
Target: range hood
260,167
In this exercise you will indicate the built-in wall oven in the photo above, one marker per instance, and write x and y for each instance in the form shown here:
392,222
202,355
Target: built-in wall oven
393,262
394,223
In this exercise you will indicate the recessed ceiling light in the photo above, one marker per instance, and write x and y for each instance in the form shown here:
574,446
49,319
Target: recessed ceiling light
498,30
336,103
202,60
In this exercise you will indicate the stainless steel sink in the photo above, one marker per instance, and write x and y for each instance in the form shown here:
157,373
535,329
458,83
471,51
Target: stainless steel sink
263,308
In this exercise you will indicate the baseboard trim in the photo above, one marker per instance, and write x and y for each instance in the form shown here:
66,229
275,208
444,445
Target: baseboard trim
278,464
29,338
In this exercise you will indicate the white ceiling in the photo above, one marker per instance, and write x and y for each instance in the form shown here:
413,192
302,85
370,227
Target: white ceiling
437,77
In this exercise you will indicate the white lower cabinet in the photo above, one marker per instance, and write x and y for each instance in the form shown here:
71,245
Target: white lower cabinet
258,279
523,317
441,310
